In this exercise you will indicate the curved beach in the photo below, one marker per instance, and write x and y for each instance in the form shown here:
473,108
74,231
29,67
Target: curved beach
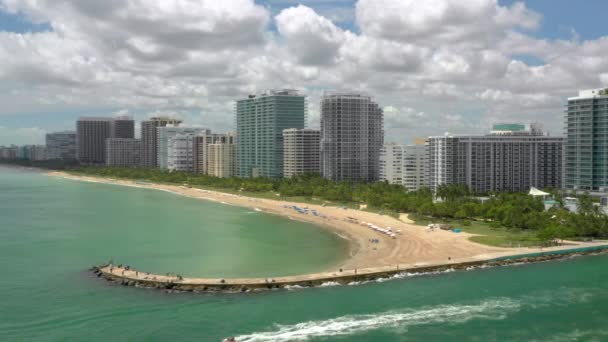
411,246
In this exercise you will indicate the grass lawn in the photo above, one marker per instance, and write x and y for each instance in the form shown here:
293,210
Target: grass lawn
487,235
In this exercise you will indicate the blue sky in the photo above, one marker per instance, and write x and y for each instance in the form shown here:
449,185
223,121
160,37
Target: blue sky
412,78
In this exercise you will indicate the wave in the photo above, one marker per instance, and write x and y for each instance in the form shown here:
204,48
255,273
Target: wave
347,325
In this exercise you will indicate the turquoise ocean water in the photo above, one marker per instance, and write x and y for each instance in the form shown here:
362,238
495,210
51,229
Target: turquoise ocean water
52,230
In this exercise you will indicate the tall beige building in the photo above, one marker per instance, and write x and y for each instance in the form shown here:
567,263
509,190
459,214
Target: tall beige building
221,160
214,154
301,151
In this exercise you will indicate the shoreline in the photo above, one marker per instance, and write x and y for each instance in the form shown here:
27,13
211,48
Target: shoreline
409,244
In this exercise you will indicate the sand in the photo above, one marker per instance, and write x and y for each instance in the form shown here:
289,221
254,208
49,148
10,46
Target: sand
414,245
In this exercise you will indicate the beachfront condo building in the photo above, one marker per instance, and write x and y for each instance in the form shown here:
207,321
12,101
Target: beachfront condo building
512,158
351,137
221,162
61,145
202,152
586,123
260,121
180,153
123,152
92,132
149,138
405,165
301,151
167,132
91,135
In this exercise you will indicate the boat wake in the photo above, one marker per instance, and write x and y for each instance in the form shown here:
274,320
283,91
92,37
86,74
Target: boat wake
491,309
353,324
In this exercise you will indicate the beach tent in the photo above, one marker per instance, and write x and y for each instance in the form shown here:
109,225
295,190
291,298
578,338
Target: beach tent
535,192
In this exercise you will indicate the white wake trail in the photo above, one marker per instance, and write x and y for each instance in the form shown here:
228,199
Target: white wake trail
352,324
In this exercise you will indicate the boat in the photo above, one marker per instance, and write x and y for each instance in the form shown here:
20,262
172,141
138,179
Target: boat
229,339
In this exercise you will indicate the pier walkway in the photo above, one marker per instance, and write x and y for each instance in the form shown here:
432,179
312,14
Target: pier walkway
130,277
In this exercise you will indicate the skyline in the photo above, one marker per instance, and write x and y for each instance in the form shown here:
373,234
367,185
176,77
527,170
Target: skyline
496,62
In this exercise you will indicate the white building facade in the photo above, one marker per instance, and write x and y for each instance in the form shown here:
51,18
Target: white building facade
180,153
165,133
405,165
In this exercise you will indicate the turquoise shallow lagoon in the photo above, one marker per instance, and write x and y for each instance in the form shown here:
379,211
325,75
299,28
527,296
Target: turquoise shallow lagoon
52,230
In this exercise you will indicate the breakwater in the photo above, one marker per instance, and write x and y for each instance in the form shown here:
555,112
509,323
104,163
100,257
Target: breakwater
127,276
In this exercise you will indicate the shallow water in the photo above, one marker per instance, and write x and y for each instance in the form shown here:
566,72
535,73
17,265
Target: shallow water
52,230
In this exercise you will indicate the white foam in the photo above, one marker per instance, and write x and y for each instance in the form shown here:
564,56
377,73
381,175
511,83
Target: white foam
349,325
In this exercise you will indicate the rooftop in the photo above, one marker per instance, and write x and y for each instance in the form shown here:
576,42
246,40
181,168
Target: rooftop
590,93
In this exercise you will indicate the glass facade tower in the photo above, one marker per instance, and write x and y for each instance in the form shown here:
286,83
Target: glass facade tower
260,121
586,125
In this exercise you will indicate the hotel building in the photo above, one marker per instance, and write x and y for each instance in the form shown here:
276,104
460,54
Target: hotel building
512,158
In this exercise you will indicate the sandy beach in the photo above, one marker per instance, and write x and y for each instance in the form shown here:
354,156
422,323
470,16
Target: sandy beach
411,245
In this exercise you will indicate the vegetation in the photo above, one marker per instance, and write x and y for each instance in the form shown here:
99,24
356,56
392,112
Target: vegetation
503,218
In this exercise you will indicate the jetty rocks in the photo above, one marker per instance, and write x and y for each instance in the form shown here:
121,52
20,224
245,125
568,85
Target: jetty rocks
124,275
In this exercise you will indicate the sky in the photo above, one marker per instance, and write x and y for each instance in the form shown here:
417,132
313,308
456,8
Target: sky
433,66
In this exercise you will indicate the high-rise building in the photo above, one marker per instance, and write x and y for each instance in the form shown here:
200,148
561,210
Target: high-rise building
351,137
406,165
260,121
180,152
92,132
38,152
222,157
123,152
91,135
301,151
61,145
122,127
506,160
8,152
167,132
149,138
586,160
202,153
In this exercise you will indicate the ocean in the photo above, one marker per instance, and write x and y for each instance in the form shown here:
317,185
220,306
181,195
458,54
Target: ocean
52,230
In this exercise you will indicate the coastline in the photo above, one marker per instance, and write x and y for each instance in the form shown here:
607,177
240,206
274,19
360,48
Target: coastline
414,246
